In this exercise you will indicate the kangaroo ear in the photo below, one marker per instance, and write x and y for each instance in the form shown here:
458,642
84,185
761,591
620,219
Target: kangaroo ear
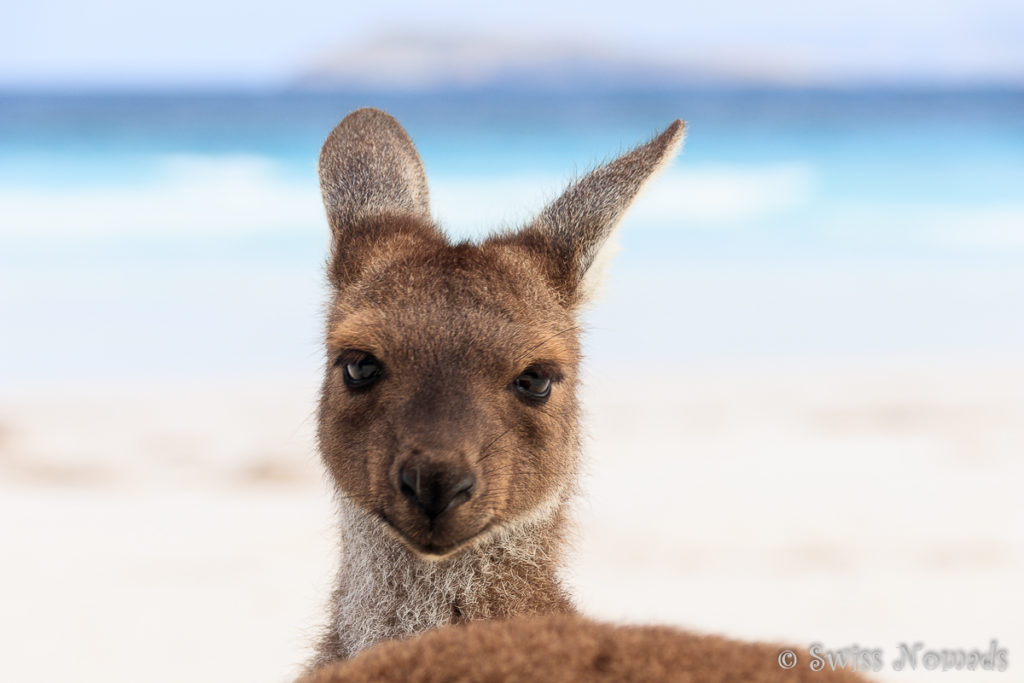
373,186
569,234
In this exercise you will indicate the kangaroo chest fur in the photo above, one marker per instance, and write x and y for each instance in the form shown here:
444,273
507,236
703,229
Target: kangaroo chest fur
386,591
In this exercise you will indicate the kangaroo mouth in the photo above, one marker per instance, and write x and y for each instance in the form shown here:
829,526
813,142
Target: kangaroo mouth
433,545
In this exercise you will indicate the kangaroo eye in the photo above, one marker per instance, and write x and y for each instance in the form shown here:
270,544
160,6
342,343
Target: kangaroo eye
533,384
361,372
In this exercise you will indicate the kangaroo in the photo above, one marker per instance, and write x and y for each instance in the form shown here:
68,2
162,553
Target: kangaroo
449,417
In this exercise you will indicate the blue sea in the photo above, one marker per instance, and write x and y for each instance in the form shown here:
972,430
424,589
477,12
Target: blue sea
176,235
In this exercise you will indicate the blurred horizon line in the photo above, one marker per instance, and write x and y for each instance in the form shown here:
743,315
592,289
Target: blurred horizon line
243,88
413,62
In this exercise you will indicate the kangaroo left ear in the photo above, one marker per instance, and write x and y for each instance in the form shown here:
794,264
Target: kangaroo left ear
569,234
374,190
369,167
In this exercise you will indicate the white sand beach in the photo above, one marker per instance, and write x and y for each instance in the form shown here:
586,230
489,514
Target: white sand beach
184,530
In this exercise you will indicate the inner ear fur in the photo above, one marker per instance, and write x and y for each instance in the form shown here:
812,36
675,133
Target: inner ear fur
374,191
569,233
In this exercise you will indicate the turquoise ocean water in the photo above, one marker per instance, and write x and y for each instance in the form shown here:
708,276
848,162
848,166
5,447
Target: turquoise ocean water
147,236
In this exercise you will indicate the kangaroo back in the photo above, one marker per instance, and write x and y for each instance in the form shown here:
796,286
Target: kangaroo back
564,649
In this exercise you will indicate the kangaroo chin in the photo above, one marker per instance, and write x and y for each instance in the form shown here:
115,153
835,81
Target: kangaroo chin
431,550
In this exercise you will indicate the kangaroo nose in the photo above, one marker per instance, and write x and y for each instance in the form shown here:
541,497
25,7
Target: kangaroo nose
436,489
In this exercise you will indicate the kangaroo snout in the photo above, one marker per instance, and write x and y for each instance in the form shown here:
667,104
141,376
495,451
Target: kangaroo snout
435,486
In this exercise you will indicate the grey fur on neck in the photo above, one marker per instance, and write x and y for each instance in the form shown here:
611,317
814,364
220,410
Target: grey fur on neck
387,591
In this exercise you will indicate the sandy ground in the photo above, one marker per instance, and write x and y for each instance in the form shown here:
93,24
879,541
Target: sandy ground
185,530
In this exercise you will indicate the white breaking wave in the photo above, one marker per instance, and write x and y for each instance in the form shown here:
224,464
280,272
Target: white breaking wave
196,195
188,195
695,196
193,196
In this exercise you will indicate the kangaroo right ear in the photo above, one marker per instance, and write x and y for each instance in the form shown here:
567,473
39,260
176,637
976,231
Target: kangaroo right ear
372,182
567,237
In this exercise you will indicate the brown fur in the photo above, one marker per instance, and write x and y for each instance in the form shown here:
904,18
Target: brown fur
557,649
452,327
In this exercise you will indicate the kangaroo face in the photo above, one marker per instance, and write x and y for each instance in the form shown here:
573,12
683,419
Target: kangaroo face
449,406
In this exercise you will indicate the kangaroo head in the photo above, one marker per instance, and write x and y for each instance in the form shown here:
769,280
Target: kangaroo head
449,405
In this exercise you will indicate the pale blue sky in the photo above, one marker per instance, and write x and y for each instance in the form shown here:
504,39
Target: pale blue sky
215,42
